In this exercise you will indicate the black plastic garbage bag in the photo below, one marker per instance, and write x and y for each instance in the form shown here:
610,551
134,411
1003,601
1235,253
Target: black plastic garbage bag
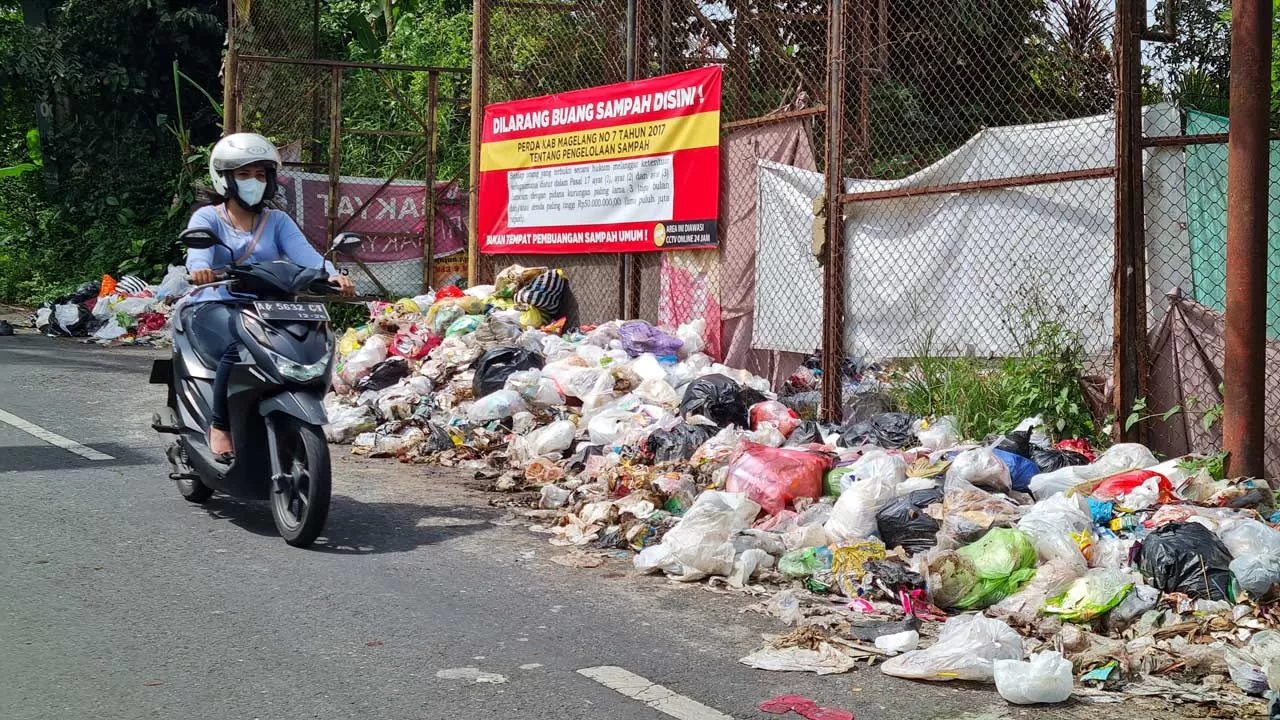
677,444
1055,459
85,292
494,367
904,521
717,398
1017,442
384,374
751,396
805,433
1187,558
5,329
887,430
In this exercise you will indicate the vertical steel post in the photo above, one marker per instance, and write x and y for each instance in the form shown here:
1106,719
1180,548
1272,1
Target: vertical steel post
479,67
1130,275
230,98
629,269
429,219
1244,368
335,145
833,261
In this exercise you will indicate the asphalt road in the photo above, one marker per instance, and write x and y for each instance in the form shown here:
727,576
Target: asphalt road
120,600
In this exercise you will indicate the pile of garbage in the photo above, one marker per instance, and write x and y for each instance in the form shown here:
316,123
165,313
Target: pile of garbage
115,311
1047,568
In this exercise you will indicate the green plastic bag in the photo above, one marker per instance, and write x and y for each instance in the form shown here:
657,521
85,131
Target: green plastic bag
831,482
1003,560
464,325
806,562
1100,590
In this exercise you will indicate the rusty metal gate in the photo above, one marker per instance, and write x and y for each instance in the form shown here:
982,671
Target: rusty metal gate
370,148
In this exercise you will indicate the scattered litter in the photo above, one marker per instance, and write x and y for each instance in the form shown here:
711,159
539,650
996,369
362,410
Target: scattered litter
475,675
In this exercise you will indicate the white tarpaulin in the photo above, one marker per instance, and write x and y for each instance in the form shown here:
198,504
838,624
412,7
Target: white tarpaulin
949,273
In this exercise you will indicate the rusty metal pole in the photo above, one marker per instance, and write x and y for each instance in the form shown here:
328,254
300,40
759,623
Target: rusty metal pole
1244,369
479,66
230,101
629,287
833,260
429,219
335,146
1130,276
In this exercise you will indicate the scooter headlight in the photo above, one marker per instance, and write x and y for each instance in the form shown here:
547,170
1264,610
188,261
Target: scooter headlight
299,372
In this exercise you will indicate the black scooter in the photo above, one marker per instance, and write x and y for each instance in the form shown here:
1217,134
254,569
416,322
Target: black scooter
275,395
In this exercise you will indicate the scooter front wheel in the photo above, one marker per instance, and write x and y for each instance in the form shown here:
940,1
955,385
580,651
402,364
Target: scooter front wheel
300,498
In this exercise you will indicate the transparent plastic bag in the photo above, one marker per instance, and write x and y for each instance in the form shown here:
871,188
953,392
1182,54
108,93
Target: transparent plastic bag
360,362
1100,590
701,543
981,468
854,516
967,649
1055,525
496,406
1255,548
1046,678
940,434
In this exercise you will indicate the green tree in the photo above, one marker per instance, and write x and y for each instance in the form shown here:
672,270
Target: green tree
108,67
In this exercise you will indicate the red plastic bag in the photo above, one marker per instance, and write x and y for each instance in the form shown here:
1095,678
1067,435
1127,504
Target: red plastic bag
774,477
1119,486
1079,445
447,292
412,344
772,411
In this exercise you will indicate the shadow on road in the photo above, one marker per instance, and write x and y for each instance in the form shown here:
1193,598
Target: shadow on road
361,528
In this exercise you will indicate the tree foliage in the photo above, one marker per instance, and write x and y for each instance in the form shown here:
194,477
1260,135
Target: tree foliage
105,69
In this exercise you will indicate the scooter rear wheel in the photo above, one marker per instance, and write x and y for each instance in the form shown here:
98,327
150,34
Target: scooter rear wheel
300,504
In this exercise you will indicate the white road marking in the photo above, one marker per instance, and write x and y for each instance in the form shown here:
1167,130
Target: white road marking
52,438
652,694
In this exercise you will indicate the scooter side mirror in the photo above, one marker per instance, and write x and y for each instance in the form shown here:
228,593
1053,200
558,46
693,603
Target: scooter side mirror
346,242
199,238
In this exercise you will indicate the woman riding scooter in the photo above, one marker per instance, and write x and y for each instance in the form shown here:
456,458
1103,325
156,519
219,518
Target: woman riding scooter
242,168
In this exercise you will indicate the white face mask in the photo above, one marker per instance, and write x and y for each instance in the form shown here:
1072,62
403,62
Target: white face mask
251,190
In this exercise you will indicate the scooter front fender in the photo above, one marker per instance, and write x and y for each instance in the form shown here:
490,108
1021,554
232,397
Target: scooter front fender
307,407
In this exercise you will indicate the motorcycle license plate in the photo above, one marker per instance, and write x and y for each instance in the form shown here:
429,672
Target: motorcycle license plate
291,311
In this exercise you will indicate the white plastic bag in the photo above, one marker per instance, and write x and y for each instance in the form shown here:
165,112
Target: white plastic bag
102,307
692,334
174,283
346,423
854,516
67,315
966,649
496,406
1051,524
1046,678
658,392
1256,549
551,440
940,434
362,360
111,331
609,426
981,467
133,306
701,544
898,643
648,367
1253,666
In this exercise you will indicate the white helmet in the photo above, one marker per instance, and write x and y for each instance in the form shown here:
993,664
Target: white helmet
236,151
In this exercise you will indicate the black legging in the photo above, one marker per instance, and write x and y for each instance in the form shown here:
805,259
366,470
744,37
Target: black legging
214,323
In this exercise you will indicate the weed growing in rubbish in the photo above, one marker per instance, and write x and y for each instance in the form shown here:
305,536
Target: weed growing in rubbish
992,395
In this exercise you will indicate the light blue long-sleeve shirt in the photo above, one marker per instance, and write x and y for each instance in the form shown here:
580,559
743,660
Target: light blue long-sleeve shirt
280,240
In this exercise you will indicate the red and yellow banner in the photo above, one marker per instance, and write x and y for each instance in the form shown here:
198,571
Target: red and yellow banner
631,167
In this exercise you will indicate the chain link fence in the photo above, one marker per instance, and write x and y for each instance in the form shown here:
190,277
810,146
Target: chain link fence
359,143
1184,140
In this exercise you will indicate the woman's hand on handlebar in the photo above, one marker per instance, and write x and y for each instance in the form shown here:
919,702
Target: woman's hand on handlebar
203,276
344,284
